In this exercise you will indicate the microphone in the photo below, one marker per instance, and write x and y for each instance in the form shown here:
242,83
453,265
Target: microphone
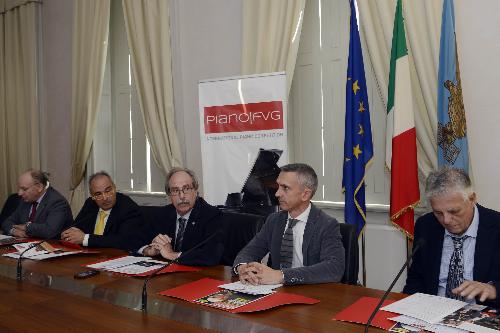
19,271
144,303
418,244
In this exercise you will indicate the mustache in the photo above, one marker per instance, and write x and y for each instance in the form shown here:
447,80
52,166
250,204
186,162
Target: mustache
183,202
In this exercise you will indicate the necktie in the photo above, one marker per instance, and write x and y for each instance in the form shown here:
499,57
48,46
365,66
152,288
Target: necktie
286,252
33,212
456,268
99,226
180,234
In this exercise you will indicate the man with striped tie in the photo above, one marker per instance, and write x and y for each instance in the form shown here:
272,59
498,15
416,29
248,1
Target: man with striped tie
182,225
461,255
106,218
303,242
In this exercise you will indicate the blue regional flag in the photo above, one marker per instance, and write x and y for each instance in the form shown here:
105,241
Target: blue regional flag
358,146
452,129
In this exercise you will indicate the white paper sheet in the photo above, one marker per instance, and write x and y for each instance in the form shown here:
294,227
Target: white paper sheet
425,307
263,289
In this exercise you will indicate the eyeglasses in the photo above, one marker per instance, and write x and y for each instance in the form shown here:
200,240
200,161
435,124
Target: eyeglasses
185,190
102,195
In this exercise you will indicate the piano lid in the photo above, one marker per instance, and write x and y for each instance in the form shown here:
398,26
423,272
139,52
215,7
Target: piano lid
260,186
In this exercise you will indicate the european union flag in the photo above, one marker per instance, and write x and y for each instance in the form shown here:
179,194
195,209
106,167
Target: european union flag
358,146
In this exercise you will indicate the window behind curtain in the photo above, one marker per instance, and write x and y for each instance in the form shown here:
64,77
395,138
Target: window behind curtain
317,103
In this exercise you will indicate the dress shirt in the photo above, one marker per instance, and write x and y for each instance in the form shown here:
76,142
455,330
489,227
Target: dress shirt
108,212
298,236
468,248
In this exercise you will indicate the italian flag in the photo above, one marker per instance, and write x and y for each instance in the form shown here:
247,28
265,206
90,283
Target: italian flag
401,146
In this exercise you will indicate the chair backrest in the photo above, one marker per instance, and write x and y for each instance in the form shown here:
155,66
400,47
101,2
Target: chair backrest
9,206
350,242
239,229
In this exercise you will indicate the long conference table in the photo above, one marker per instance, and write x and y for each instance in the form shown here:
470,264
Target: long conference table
49,299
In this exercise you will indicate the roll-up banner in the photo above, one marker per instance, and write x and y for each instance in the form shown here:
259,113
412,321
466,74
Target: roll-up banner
238,116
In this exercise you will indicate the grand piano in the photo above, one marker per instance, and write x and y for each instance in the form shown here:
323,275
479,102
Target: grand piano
257,195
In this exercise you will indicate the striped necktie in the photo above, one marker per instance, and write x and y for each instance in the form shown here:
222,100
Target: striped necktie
456,268
180,234
99,226
286,252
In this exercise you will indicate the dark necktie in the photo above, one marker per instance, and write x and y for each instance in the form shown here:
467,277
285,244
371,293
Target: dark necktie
286,252
33,212
180,234
456,268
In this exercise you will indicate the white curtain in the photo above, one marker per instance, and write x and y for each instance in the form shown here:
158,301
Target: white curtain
148,31
90,42
19,108
423,29
271,35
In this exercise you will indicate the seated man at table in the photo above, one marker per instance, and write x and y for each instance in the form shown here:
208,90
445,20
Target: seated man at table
303,242
43,212
106,217
460,256
182,225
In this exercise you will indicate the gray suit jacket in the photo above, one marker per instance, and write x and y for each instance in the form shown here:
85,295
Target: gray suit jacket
53,214
322,248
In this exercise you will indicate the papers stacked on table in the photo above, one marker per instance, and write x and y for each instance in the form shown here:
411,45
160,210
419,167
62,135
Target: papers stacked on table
444,315
39,252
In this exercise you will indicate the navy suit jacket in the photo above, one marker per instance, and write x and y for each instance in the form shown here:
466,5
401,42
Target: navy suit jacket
322,249
125,218
204,221
53,214
423,275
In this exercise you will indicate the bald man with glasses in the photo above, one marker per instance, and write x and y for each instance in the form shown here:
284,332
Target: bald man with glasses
106,218
183,224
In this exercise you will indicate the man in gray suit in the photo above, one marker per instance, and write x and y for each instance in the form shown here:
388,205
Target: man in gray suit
43,212
304,243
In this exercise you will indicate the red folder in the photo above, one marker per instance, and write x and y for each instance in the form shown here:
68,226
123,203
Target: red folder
360,311
198,289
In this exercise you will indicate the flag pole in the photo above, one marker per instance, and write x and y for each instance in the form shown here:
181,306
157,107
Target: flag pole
363,258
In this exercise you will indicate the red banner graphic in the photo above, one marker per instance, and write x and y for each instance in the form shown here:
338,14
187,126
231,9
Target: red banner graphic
243,117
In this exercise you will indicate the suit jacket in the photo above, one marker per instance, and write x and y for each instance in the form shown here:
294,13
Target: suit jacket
204,221
423,275
9,206
53,214
125,218
324,256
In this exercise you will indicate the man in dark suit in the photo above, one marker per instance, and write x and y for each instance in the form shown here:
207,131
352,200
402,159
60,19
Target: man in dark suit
304,243
106,217
460,254
43,212
183,224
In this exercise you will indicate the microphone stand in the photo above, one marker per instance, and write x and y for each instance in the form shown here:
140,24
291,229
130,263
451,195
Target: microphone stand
418,245
144,301
19,264
19,271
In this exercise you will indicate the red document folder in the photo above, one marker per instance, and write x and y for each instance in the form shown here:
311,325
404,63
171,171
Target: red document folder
360,311
198,289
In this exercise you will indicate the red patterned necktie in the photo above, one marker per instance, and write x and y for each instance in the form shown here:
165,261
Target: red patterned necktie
33,212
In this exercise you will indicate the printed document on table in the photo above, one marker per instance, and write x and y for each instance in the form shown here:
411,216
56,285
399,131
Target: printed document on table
261,289
425,307
129,265
423,325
